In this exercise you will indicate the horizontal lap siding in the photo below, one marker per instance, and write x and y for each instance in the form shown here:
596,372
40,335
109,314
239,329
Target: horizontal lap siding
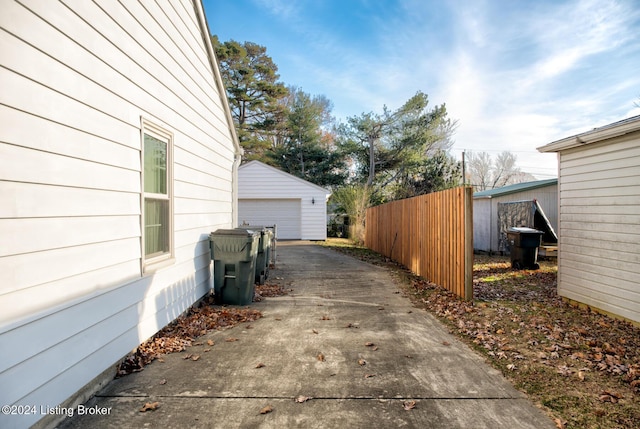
77,77
257,181
432,235
600,226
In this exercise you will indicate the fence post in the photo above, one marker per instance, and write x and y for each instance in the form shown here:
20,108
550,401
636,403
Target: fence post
468,243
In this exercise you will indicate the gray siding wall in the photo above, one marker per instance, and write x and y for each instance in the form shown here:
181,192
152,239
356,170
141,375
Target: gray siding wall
77,77
599,253
482,224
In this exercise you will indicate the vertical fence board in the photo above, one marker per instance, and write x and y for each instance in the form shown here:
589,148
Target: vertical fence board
430,234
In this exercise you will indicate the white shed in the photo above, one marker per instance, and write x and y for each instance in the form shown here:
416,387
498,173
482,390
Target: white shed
599,231
268,196
486,208
117,159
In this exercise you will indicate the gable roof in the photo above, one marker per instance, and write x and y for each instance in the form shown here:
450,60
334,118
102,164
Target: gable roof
512,189
287,176
615,129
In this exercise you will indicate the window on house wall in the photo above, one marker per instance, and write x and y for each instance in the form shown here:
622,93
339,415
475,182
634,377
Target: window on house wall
157,207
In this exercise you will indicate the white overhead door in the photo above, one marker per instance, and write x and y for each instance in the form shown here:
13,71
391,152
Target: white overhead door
285,213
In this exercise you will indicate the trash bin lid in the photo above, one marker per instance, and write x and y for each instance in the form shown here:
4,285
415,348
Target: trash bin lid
524,230
253,228
235,232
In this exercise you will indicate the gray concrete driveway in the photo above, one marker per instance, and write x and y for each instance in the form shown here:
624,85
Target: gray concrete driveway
344,337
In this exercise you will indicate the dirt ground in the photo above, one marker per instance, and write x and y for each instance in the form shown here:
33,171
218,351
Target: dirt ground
581,367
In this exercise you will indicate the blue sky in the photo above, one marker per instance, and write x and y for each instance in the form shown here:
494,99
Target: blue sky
516,75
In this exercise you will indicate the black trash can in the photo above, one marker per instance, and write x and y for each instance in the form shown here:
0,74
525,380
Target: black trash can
523,245
233,252
264,252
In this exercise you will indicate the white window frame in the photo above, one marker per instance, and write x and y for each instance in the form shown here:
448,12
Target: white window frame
152,263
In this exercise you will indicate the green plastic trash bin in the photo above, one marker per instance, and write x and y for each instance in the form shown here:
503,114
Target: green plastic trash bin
523,245
233,252
262,257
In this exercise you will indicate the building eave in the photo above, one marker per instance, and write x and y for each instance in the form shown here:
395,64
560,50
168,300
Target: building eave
606,132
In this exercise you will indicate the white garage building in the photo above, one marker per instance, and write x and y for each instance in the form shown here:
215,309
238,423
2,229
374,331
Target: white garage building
268,196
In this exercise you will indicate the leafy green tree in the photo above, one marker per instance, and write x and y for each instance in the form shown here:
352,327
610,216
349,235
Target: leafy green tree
391,150
251,80
437,172
306,148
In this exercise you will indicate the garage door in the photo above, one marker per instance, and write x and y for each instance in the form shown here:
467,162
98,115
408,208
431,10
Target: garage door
284,212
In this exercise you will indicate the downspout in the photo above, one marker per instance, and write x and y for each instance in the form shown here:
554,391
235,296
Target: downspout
238,152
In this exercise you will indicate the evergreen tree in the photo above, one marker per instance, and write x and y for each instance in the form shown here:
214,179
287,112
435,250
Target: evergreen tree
251,80
307,149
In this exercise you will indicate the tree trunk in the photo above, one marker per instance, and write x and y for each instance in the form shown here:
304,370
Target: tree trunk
372,160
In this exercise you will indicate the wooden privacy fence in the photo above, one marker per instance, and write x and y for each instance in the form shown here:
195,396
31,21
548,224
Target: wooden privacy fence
432,235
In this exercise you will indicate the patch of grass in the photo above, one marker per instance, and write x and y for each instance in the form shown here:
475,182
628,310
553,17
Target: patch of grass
581,367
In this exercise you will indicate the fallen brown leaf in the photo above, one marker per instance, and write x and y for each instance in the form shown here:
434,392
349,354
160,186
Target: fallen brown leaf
195,357
301,399
408,405
369,375
230,339
314,331
266,410
320,357
163,381
180,334
608,398
362,362
612,394
560,424
369,344
149,406
210,342
260,365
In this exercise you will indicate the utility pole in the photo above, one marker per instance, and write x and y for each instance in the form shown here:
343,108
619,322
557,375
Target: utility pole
464,171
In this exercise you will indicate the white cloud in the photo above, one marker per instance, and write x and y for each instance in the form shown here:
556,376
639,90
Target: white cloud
517,75
284,9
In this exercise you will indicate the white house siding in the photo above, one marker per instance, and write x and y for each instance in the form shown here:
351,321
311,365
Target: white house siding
77,77
599,235
258,181
485,221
